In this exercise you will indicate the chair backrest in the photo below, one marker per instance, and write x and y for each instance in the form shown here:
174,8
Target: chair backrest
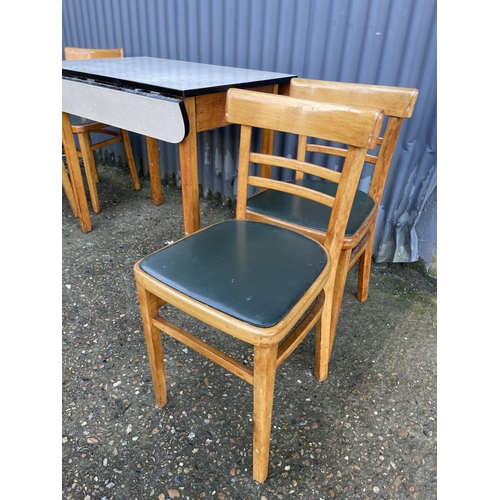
397,103
74,53
357,127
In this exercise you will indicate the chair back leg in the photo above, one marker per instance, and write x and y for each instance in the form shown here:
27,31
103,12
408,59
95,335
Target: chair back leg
130,160
90,170
68,189
364,269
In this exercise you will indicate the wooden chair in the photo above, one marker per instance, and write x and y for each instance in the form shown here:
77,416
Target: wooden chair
259,283
311,218
83,128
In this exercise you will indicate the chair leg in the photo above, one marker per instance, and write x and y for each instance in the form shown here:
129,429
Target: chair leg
68,189
338,294
265,360
322,337
130,159
90,169
149,308
364,268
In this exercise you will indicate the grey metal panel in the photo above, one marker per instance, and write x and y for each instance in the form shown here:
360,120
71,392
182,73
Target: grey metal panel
386,42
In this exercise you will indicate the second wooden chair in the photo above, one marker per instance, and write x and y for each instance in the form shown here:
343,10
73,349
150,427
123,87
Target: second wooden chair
312,218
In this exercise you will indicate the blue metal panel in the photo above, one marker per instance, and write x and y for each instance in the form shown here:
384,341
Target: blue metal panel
386,42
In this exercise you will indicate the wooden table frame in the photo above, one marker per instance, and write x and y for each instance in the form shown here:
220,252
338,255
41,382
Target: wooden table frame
204,112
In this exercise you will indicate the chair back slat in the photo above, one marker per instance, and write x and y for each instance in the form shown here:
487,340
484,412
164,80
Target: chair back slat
294,164
302,116
395,101
295,189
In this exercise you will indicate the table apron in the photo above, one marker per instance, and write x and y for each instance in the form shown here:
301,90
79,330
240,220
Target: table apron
211,108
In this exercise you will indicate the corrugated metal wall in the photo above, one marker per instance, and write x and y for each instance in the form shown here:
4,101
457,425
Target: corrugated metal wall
386,42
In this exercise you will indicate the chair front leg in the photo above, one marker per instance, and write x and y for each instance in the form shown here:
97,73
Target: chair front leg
149,305
265,361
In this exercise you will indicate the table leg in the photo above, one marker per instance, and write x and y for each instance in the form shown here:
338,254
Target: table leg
154,170
75,175
268,145
189,172
267,148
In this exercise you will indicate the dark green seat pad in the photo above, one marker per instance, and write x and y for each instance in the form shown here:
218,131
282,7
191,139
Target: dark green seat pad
253,271
309,213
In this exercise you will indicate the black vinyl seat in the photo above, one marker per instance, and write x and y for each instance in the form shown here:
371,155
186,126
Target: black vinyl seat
252,271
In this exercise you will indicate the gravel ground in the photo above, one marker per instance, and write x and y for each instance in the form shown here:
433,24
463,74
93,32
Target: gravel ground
368,432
